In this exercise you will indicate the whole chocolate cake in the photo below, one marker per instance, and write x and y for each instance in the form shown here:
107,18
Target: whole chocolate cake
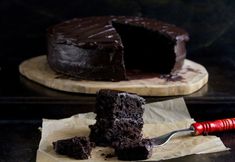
119,115
104,48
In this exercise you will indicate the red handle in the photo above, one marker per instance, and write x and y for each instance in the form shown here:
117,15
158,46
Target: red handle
213,126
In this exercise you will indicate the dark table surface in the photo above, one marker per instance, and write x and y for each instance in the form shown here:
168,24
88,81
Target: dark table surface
24,103
19,141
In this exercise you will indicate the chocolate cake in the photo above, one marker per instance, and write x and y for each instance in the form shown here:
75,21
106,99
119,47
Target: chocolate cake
104,48
76,147
114,104
119,115
128,149
106,135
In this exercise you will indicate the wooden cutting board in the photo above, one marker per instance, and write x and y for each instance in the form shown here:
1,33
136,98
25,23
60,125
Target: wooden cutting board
189,79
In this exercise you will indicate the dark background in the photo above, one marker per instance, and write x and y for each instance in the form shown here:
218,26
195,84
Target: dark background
23,23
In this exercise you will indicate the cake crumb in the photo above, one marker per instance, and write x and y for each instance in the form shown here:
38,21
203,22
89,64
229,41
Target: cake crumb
110,155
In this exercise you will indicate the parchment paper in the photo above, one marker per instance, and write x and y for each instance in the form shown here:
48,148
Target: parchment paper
159,118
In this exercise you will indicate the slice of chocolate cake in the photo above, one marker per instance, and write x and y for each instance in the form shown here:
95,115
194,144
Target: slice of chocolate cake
128,149
106,134
103,48
76,147
119,115
117,104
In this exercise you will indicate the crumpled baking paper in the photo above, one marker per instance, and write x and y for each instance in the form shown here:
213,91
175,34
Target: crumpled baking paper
159,118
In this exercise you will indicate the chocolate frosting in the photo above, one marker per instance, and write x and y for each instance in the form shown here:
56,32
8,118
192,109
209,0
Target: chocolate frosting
92,48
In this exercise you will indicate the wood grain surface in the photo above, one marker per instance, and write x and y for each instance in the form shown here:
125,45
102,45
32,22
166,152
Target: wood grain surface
188,80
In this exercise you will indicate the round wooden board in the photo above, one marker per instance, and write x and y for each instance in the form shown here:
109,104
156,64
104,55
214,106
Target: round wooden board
192,77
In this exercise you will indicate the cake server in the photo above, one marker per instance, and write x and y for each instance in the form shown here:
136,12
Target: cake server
197,128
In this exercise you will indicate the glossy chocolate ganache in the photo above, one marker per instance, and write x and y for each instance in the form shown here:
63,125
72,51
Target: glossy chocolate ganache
104,48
